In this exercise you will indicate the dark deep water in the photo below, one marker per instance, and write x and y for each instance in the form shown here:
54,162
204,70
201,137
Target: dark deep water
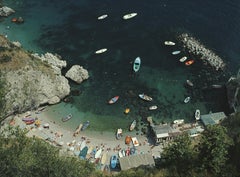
71,29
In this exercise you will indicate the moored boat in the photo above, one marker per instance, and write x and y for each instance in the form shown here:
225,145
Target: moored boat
85,125
113,161
187,99
169,43
119,133
128,16
183,59
197,114
176,52
178,121
127,110
69,116
145,97
154,107
113,100
102,17
137,64
133,125
189,62
101,51
189,83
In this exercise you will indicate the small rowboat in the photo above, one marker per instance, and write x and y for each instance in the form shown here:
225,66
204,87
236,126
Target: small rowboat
187,99
145,97
136,64
113,100
169,43
69,116
133,125
197,114
101,51
189,62
119,133
183,59
176,52
85,125
128,16
28,119
189,83
102,17
153,107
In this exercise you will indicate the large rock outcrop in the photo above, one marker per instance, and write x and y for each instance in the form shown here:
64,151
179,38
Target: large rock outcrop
29,80
6,11
77,73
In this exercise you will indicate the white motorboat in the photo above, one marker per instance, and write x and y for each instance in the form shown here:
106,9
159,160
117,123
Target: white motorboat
133,125
169,43
102,17
183,59
154,107
187,99
176,52
128,16
101,51
137,64
145,97
189,83
178,121
197,114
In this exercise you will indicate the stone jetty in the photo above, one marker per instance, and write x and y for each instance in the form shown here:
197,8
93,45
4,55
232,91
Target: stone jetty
196,48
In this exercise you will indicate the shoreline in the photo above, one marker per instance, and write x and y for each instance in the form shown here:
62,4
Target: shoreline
59,136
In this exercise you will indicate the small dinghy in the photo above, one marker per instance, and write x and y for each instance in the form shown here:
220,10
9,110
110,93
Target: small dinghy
133,125
137,64
187,99
189,62
183,59
119,133
113,100
178,121
69,116
128,16
176,52
197,114
101,51
85,125
153,107
102,17
169,43
189,83
145,97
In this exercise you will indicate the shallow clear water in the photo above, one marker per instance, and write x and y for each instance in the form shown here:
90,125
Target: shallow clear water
71,29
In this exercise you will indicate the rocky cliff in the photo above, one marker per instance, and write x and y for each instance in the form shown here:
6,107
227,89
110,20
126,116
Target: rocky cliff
29,80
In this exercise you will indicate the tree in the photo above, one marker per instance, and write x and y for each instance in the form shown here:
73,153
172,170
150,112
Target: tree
213,149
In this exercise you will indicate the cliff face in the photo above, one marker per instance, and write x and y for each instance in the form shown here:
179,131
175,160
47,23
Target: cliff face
28,80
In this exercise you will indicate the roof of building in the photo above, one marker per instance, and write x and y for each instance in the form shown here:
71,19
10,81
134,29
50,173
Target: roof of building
212,118
137,160
162,129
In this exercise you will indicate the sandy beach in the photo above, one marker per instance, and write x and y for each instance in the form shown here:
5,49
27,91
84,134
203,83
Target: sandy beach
63,138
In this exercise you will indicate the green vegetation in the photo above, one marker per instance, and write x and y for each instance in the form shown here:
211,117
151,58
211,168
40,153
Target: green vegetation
2,94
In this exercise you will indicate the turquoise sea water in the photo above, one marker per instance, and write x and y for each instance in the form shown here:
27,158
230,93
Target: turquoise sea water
71,29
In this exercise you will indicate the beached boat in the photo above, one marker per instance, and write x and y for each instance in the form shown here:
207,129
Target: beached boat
189,83
169,43
132,150
120,154
128,16
178,121
83,144
187,99
83,152
183,59
46,125
119,133
101,51
123,152
85,125
197,114
154,107
102,17
133,125
176,52
28,119
98,153
113,161
145,97
78,129
104,158
189,62
29,122
128,140
113,100
137,64
135,141
69,116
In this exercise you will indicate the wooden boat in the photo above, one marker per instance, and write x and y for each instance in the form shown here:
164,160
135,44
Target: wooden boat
137,64
102,17
176,52
189,62
113,100
189,83
187,99
69,116
101,51
98,154
154,107
128,16
169,43
85,125
197,114
133,125
119,133
178,121
183,59
113,161
145,97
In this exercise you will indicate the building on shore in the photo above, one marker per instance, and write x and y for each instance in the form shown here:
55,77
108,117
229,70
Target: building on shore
212,118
